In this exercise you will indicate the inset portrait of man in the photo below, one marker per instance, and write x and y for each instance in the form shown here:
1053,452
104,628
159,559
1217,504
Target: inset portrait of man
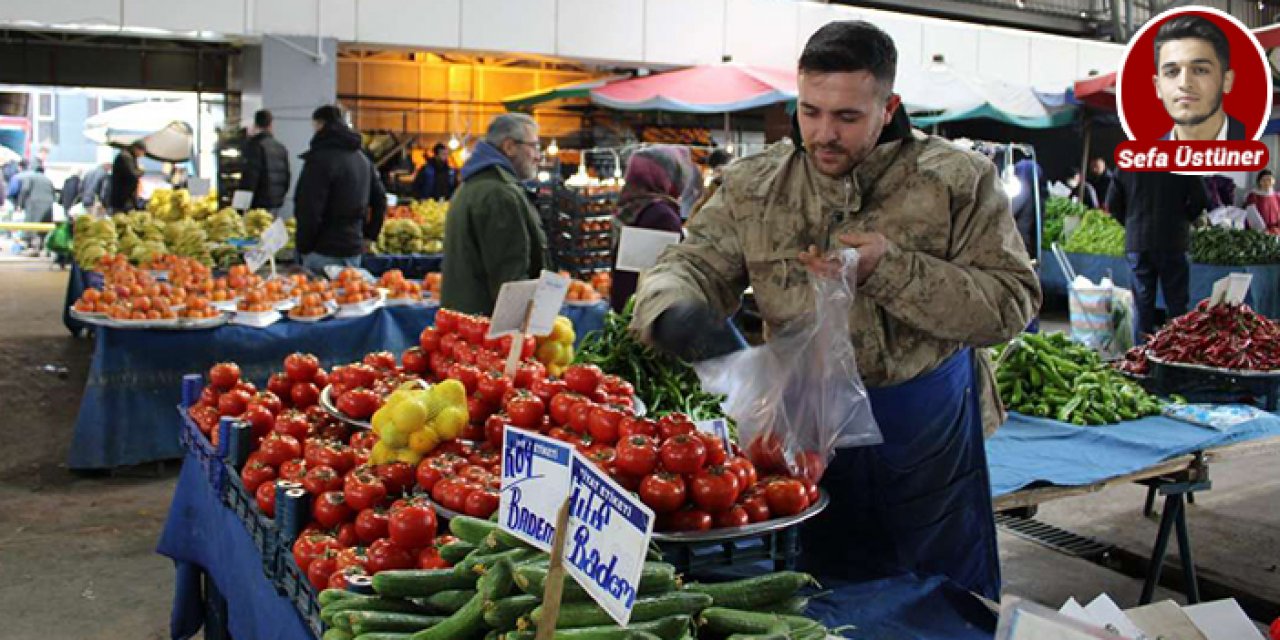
1193,72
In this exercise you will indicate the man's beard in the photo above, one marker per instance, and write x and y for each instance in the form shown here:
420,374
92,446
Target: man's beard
1195,120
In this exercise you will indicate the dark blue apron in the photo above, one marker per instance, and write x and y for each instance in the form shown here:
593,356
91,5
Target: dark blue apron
919,502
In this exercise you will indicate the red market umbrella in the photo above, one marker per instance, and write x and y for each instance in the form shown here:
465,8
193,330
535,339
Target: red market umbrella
719,88
1098,92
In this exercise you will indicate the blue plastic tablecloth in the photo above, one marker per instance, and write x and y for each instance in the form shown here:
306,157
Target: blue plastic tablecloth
1264,292
413,266
126,413
1028,451
202,535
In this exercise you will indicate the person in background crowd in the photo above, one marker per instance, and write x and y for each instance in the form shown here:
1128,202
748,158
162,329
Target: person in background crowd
649,200
1156,209
15,182
266,165
1221,191
1031,175
492,233
1265,199
126,174
692,190
436,180
69,195
36,199
339,202
1090,194
93,185
716,162
1100,178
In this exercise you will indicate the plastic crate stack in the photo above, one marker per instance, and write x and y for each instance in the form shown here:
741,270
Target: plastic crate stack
579,225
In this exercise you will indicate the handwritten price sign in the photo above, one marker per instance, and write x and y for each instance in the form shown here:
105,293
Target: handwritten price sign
535,479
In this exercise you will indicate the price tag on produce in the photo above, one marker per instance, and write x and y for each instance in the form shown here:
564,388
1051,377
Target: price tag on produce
606,538
719,428
535,479
1231,289
512,306
241,199
273,239
638,249
199,187
548,298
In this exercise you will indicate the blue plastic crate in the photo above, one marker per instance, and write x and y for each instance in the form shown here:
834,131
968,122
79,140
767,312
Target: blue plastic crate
260,528
210,457
292,583
781,549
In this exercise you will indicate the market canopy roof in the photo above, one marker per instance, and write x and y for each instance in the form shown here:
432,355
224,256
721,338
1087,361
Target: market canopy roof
1098,92
577,90
937,93
721,88
166,129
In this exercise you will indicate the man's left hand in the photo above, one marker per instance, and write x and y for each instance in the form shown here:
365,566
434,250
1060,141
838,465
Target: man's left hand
871,247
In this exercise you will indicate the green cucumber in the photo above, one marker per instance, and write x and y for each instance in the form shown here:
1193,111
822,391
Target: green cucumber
384,635
456,551
368,603
337,634
668,628
752,593
793,606
469,620
726,621
472,530
501,540
590,614
655,577
448,602
504,613
417,583
478,564
329,596
362,622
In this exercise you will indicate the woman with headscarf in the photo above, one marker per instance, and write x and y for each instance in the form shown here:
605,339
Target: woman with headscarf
1266,200
656,179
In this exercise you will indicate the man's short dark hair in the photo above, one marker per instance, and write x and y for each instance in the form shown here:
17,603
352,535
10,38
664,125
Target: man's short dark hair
440,146
1194,26
262,119
851,45
328,115
718,158
1263,174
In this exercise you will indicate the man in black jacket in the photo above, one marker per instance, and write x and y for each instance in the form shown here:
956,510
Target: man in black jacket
1156,209
266,165
339,201
126,173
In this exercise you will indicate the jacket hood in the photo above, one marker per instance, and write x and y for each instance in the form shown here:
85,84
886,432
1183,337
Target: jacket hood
485,156
342,139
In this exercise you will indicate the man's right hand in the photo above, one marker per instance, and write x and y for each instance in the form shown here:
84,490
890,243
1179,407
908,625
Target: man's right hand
693,332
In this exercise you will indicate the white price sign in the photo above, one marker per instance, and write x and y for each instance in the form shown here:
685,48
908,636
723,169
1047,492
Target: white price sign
273,239
535,479
606,539
547,295
199,187
241,199
638,249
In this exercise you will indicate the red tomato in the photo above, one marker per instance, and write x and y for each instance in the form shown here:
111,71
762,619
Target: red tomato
786,497
265,496
293,470
338,580
634,426
716,453
322,568
689,520
734,517
628,481
468,375
447,320
385,555
363,375
757,508
715,489
322,379
493,427
380,360
413,527
278,449
224,375
745,470
308,546
292,423
364,440
359,403
234,402
526,410
259,419
429,558
363,490
304,394
478,410
209,396
492,387
583,378
481,503
347,535
580,417
488,458
810,466
626,403
663,492
431,471
603,423
321,479
269,400
332,454
429,339
616,386
473,432
331,509
396,476
371,524
414,359
280,384
357,557
637,455
562,407
256,472
548,389
301,367
684,454
674,424
205,417
602,455
530,373
765,452
810,491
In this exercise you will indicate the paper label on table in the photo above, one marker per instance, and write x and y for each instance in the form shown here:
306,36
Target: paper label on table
638,249
1222,620
199,187
1231,289
548,298
509,309
273,239
607,540
1164,620
1108,614
392,200
535,480
241,199
719,428
1024,620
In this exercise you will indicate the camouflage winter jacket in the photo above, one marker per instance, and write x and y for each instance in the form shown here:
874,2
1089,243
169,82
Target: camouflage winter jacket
955,273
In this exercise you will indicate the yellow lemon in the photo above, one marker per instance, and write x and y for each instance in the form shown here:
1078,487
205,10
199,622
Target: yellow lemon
395,435
566,356
451,392
381,417
562,330
423,440
396,397
450,423
549,352
410,414
382,453
408,456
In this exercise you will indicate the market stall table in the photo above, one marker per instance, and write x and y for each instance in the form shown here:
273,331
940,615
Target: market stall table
126,413
77,281
413,266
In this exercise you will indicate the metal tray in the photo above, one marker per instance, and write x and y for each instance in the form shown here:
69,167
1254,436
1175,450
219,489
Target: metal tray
329,408
754,529
1241,373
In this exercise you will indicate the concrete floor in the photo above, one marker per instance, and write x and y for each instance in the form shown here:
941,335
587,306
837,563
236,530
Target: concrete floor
79,551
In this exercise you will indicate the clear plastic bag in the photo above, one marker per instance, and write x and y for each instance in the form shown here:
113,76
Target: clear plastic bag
799,397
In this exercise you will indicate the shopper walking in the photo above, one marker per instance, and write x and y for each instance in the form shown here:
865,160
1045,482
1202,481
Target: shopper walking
492,234
69,194
266,165
941,276
36,201
1100,178
339,202
126,175
15,183
436,180
1079,187
93,185
1156,209
650,199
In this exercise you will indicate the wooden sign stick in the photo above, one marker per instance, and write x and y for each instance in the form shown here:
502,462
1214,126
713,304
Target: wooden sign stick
553,588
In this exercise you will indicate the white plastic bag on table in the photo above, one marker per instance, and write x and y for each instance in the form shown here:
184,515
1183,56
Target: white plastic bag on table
798,397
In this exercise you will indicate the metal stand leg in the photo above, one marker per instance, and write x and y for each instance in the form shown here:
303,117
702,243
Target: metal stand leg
1172,509
1188,563
1148,507
1191,498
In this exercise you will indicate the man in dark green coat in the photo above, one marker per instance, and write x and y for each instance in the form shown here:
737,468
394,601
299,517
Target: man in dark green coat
492,233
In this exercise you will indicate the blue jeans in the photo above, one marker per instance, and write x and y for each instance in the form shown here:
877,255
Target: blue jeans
315,262
1169,269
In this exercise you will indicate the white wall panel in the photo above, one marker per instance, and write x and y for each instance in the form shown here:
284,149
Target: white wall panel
759,32
181,15
1006,53
959,45
683,32
600,29
525,26
298,17
425,24
1100,57
813,15
1055,64
907,34
62,11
